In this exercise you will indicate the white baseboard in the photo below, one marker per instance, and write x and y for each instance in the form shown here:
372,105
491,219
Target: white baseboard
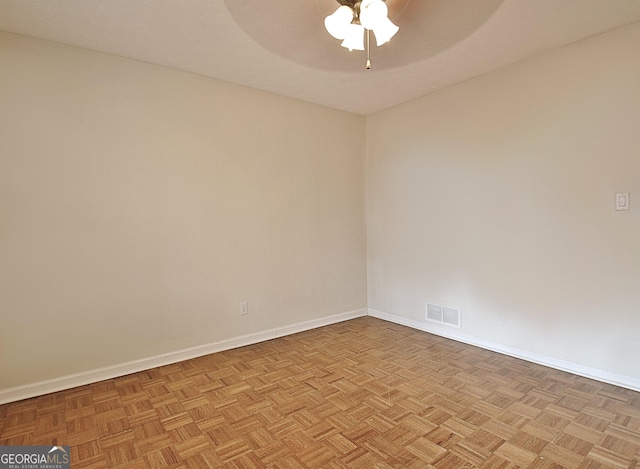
108,372
92,376
570,367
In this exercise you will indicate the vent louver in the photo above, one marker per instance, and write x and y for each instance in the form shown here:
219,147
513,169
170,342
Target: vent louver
444,315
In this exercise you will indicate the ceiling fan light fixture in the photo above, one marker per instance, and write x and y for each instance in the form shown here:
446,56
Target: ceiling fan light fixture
354,40
385,31
373,13
354,18
337,24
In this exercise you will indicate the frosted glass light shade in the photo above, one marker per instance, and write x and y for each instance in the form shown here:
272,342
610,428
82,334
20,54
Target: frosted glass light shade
354,39
385,31
373,13
338,23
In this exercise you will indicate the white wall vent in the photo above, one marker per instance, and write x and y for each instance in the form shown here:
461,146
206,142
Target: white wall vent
444,315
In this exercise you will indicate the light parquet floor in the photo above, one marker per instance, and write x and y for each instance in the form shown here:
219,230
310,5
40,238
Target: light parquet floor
359,394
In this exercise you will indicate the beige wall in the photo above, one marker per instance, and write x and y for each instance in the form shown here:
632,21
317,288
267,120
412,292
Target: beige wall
497,196
140,205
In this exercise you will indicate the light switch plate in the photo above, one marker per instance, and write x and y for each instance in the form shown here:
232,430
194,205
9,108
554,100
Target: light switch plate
622,201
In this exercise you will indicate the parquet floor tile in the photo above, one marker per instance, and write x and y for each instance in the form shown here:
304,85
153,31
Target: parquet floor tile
360,394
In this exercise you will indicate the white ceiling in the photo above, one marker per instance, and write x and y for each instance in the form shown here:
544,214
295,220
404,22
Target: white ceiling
281,46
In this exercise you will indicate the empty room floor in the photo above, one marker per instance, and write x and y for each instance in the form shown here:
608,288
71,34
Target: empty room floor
363,393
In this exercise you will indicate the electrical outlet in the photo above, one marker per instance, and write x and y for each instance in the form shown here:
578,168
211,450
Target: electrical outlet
244,307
